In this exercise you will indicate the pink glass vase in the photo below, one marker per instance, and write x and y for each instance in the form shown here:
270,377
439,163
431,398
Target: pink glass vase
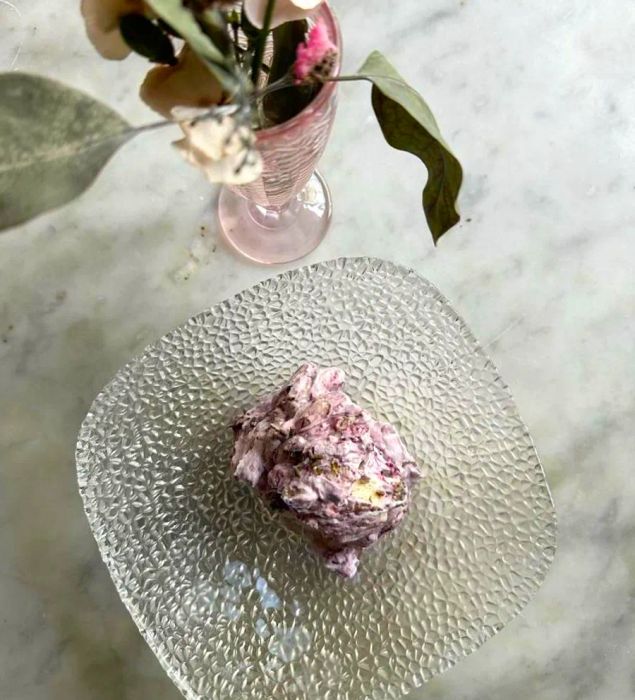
285,214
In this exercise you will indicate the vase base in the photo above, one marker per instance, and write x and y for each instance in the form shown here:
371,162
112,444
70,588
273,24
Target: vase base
271,236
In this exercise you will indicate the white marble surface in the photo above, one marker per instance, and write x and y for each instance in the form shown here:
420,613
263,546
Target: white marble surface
538,101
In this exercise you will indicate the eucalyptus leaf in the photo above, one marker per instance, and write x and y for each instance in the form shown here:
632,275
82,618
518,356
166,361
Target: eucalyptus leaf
54,141
145,38
408,125
184,22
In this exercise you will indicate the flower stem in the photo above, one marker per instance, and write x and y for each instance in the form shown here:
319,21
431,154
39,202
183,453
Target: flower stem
261,42
284,82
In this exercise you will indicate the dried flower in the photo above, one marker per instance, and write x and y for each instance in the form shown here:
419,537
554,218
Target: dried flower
316,57
221,146
189,83
284,11
102,24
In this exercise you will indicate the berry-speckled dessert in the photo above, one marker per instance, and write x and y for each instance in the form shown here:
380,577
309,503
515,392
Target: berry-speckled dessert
342,476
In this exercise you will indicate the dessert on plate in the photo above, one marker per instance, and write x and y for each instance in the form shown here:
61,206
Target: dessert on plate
341,476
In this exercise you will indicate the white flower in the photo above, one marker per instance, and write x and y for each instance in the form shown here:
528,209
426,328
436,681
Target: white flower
189,83
284,11
219,145
102,24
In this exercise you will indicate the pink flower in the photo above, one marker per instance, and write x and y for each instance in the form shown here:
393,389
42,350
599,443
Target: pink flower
316,57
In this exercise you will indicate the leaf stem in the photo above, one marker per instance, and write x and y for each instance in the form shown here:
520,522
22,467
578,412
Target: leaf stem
261,42
211,112
369,78
346,78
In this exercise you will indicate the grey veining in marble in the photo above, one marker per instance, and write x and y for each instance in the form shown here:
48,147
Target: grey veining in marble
538,101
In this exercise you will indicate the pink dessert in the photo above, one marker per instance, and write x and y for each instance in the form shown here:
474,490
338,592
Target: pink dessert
340,475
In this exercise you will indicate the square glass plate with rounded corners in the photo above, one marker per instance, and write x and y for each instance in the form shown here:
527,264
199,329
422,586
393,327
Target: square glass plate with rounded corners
234,605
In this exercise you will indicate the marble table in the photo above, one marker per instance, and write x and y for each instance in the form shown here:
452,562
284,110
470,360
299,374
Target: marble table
538,101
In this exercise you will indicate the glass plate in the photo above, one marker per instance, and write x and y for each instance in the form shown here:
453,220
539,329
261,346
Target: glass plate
235,606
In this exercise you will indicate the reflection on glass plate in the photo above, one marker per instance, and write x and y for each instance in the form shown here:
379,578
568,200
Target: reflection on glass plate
233,605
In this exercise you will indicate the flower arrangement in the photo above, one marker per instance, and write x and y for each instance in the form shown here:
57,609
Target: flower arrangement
222,70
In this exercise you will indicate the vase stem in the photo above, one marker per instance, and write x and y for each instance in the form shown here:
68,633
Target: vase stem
274,217
277,234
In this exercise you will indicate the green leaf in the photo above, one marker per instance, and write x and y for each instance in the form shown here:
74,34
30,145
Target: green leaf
54,141
281,105
183,21
250,31
168,29
145,38
408,125
213,23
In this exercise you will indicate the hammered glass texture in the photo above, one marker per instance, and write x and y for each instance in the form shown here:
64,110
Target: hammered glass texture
235,606
290,152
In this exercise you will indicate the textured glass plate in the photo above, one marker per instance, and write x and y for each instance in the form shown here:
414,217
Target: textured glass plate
233,605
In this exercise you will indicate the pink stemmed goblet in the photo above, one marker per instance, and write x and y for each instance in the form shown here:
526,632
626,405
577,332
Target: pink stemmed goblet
285,213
